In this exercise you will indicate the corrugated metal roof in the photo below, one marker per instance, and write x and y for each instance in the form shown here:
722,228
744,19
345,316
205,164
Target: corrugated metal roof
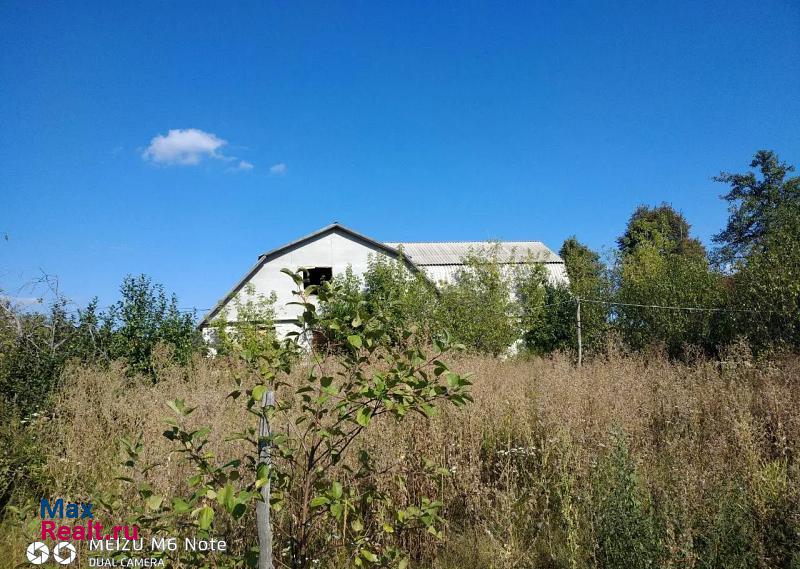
453,252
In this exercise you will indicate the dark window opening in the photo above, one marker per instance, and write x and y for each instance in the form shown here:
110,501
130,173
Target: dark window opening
316,276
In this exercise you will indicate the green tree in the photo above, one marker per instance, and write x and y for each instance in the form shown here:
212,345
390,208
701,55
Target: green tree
657,282
37,342
407,299
588,280
35,350
144,317
548,314
662,228
478,307
335,309
757,206
665,267
761,247
387,289
251,330
549,309
766,297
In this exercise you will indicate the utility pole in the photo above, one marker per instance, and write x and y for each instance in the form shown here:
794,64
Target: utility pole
580,343
262,507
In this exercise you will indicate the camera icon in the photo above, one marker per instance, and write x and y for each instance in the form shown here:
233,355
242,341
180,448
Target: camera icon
38,553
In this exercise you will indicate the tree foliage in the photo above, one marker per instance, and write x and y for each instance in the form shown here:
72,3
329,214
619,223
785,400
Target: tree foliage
478,307
405,298
661,228
387,289
144,317
759,207
650,284
589,281
36,344
548,315
661,266
248,324
761,247
549,308
766,297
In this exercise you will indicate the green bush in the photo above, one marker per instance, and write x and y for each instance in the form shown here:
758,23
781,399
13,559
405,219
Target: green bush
548,317
36,346
766,294
627,532
389,290
478,308
728,539
405,299
252,330
549,309
143,318
21,460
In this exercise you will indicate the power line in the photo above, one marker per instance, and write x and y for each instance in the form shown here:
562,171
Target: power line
668,307
76,309
558,303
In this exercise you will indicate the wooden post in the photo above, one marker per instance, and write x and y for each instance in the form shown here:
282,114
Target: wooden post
264,528
580,343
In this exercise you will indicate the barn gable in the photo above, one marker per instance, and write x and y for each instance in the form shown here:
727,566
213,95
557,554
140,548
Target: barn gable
333,248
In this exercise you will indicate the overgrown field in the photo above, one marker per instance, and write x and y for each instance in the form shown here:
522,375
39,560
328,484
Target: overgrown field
631,461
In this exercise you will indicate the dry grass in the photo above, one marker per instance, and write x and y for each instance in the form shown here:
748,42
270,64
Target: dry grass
709,458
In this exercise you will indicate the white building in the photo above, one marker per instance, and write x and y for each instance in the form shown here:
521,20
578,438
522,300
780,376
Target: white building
331,250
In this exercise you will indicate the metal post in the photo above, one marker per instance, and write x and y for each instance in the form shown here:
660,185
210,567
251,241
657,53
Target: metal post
262,507
580,343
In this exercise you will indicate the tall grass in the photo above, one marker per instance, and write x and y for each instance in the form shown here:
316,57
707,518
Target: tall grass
629,462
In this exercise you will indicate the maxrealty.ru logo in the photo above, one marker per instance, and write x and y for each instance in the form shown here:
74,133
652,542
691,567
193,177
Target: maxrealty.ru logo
83,531
56,516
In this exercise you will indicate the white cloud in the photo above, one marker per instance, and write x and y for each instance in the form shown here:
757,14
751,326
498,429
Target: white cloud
242,166
278,169
185,147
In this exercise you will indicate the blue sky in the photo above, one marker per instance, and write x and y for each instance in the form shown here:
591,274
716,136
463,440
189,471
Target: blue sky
405,121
